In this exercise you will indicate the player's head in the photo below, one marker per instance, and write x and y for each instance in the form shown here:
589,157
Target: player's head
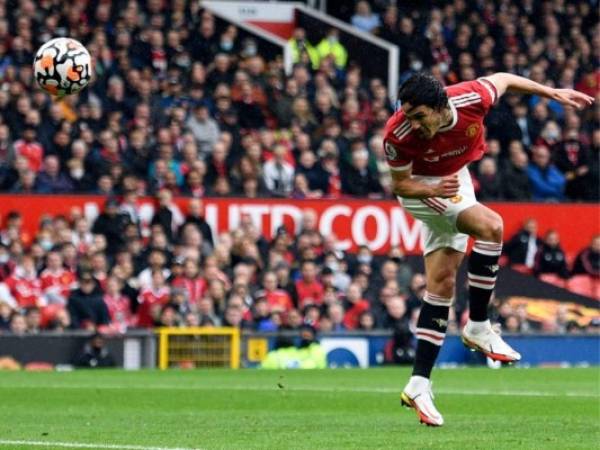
425,104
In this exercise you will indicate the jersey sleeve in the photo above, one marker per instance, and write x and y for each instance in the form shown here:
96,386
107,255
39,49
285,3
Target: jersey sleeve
397,159
480,94
488,92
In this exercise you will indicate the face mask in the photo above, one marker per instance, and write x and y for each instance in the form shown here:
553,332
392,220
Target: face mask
552,135
443,67
250,50
4,258
333,39
46,244
416,65
333,266
77,173
226,45
364,259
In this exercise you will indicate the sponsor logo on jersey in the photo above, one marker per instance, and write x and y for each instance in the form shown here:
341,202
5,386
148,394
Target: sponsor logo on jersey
431,159
493,268
429,151
456,199
472,130
440,322
457,151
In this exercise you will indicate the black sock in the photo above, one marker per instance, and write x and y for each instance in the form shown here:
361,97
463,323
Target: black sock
431,330
483,268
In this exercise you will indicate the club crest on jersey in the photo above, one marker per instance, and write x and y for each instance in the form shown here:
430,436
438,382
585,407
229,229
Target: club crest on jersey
472,130
456,199
390,151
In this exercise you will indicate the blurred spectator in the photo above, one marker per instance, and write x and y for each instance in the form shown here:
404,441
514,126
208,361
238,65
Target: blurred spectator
86,306
364,19
330,46
522,248
310,290
111,224
302,50
547,183
278,173
95,354
204,128
572,158
490,183
550,258
515,177
51,180
358,179
587,261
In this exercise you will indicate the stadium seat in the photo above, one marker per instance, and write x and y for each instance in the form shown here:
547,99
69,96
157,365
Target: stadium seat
554,279
522,268
585,285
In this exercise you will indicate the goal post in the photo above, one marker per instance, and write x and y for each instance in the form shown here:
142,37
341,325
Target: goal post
198,347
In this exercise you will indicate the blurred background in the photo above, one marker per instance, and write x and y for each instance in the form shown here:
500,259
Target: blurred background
225,168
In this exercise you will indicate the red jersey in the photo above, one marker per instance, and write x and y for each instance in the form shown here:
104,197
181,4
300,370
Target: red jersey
279,300
149,300
119,310
195,287
309,291
453,146
33,151
26,290
57,285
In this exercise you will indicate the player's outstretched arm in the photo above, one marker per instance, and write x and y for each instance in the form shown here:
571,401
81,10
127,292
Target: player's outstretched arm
508,82
405,186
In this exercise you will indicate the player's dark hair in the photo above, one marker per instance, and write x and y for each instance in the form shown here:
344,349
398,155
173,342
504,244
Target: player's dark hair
423,89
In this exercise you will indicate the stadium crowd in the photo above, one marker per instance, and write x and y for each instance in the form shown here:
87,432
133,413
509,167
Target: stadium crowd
105,275
181,105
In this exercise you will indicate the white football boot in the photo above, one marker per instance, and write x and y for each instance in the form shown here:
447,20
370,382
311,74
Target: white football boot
417,394
481,336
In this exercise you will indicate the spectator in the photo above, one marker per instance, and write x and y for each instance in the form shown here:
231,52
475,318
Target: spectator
302,50
572,159
86,306
119,306
550,258
151,300
95,354
490,183
358,180
278,173
523,247
310,290
56,281
111,224
515,177
587,261
547,183
364,19
204,128
29,148
330,46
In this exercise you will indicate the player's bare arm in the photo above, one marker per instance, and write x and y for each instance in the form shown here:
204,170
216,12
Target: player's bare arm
407,187
513,83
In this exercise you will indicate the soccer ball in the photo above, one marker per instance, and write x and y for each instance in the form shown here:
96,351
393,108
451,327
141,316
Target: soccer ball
62,66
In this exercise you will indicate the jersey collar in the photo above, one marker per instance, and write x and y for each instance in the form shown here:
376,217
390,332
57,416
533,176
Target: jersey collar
454,119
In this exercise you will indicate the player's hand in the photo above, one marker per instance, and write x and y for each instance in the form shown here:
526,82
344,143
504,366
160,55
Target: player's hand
447,187
570,97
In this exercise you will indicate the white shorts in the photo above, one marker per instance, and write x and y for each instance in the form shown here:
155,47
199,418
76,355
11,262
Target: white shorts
439,214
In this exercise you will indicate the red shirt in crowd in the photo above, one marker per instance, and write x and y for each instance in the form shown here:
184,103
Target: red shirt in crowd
309,292
150,299
33,151
27,291
59,283
279,300
119,310
195,287
352,316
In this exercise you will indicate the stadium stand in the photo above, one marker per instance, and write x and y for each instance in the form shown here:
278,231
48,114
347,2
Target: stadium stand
182,106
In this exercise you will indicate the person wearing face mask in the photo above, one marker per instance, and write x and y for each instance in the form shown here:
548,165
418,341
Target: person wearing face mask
6,265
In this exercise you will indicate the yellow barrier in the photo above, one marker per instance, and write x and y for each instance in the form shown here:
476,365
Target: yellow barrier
198,347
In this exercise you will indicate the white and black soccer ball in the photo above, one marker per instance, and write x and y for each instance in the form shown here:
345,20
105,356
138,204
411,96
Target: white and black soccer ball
62,66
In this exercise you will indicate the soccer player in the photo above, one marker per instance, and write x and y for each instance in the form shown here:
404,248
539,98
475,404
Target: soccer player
429,142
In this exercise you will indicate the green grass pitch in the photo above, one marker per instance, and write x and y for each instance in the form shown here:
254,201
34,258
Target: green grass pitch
331,409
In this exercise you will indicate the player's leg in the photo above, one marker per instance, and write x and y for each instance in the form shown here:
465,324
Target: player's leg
441,266
486,227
